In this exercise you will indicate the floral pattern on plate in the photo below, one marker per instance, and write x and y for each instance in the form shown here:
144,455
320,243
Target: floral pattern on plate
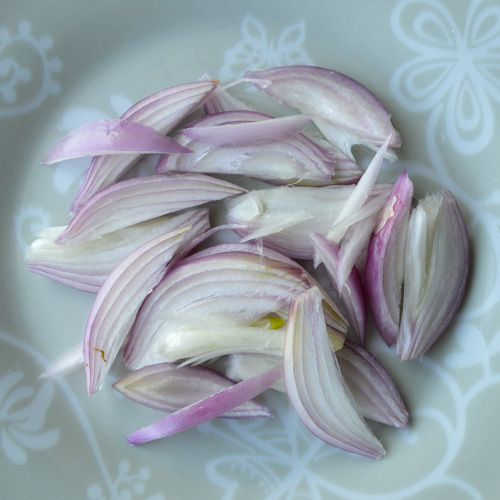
456,66
19,70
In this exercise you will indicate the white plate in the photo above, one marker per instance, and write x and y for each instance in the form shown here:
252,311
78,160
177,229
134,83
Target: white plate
434,63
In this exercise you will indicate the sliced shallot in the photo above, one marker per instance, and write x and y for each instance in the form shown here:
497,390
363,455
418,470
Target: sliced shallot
436,273
87,265
345,111
109,137
351,294
162,111
384,270
168,387
208,408
315,385
118,300
234,284
135,200
293,158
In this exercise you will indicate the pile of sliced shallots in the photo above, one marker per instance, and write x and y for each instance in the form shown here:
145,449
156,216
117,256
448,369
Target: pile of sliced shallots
173,299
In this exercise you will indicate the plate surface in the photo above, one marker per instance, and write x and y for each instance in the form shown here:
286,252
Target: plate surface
436,66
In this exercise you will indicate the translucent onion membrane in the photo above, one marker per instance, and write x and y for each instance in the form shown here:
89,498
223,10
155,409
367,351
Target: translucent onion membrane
168,387
232,285
118,300
345,111
68,362
134,200
283,216
208,408
87,265
109,137
294,158
372,388
162,111
314,382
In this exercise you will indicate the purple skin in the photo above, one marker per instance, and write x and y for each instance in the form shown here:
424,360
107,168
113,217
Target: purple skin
107,137
383,279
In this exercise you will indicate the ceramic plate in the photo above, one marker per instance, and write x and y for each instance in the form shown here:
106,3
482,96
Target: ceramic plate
434,63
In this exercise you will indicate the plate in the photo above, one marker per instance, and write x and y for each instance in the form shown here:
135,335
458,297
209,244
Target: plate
436,66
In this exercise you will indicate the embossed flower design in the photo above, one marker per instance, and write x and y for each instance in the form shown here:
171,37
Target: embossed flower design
18,67
257,49
22,417
456,70
126,486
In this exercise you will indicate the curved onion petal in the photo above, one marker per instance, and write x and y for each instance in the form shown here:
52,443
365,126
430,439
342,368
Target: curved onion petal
109,137
68,362
234,284
345,111
162,111
118,301
315,385
371,386
281,216
436,273
168,387
351,292
248,133
208,408
384,270
87,265
135,200
292,159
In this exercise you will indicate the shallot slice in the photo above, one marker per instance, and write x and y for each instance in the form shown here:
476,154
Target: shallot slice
109,137
436,273
315,385
168,387
162,111
384,270
143,198
87,265
118,300
252,133
208,408
345,111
